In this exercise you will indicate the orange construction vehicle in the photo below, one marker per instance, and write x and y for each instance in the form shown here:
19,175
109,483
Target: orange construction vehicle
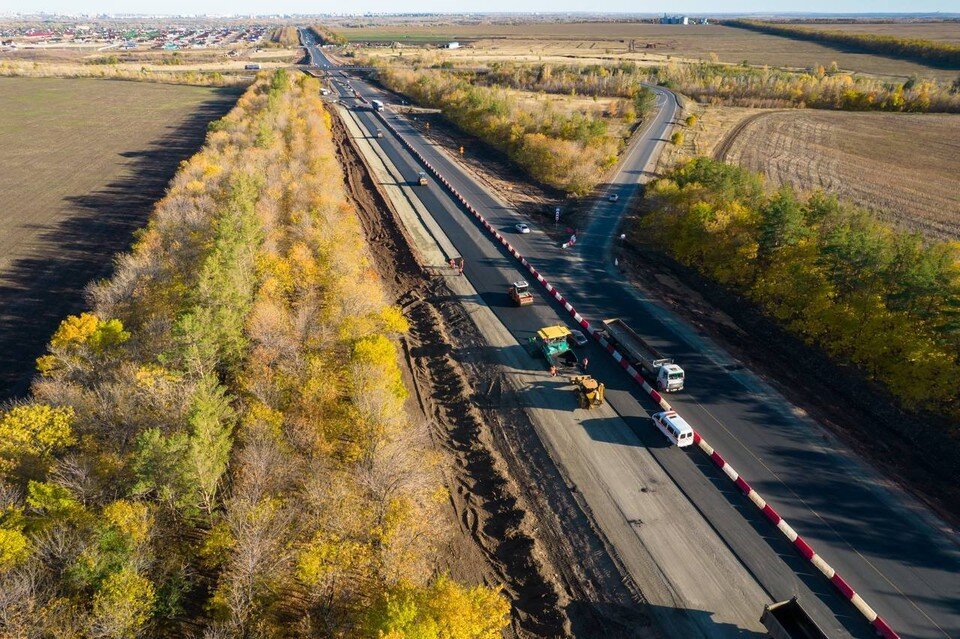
520,293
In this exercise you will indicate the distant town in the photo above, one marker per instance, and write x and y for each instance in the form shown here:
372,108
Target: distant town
113,35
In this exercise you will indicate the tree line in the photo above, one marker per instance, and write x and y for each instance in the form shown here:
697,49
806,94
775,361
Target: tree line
284,37
219,448
935,54
819,88
566,149
882,300
328,36
107,70
621,80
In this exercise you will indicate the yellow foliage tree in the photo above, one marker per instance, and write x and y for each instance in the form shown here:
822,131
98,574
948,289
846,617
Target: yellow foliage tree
442,610
131,519
14,548
34,430
123,604
79,337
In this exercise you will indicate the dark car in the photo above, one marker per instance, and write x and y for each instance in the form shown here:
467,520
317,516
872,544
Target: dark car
577,338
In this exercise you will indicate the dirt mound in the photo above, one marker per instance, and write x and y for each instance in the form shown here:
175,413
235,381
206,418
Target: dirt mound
521,522
484,500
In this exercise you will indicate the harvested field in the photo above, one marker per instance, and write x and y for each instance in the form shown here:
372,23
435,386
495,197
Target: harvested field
948,32
84,161
592,42
903,166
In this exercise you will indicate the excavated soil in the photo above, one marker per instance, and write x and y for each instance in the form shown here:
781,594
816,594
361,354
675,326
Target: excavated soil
519,523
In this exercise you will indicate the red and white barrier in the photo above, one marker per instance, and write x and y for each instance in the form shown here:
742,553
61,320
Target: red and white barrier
881,626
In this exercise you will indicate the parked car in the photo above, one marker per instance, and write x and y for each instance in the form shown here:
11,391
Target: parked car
577,338
522,228
613,197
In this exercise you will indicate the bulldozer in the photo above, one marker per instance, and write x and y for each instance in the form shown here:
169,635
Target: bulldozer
589,390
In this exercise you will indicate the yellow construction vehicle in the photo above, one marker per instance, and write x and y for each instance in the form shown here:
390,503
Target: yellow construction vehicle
589,390
520,293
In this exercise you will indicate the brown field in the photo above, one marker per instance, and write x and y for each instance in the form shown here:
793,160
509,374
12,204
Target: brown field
598,42
936,31
73,61
83,160
903,166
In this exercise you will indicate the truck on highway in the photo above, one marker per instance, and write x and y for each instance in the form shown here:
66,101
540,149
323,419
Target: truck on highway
376,105
668,376
520,293
551,342
788,620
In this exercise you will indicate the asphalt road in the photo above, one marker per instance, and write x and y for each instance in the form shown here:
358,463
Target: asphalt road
888,547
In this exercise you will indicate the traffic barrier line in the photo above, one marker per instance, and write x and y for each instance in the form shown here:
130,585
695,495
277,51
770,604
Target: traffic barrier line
803,548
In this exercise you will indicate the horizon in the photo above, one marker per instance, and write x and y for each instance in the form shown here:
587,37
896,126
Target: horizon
72,9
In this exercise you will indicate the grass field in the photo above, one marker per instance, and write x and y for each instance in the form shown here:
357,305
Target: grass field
594,42
83,160
905,167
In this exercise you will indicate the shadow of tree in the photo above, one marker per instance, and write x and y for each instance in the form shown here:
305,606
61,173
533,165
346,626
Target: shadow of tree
43,288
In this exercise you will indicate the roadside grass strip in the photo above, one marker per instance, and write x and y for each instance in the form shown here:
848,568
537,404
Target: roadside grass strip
881,626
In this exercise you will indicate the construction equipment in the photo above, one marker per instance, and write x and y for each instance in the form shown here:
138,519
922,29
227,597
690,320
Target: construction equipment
788,620
552,343
589,390
520,293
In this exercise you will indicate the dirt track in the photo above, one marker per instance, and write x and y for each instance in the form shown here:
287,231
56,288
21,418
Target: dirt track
723,147
519,524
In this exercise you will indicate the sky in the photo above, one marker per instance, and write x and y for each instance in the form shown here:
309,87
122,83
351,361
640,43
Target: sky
227,7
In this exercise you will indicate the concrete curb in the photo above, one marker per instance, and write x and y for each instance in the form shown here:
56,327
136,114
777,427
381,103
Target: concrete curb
881,626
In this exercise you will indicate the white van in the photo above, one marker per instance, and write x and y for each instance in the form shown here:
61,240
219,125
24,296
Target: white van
674,427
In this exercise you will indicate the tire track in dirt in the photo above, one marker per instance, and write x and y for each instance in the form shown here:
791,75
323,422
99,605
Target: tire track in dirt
506,493
723,148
